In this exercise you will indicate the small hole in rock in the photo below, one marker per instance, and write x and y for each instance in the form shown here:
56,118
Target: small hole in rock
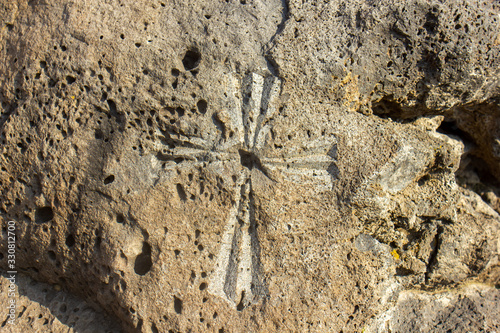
191,59
52,255
44,214
143,261
177,305
109,179
181,192
120,218
70,241
180,112
202,106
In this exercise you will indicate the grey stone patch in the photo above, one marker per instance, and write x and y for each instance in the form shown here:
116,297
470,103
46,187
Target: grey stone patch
403,169
470,309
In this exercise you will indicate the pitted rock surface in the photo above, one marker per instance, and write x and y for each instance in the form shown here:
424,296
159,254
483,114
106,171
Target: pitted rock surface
252,166
469,309
47,308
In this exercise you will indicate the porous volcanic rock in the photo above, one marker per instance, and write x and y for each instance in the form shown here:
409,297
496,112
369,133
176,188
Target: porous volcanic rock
251,165
45,308
473,308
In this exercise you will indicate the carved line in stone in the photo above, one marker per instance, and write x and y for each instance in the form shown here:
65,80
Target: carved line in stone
236,277
251,104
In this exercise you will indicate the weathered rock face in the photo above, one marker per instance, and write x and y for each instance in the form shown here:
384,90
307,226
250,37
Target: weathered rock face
400,60
473,308
254,166
45,308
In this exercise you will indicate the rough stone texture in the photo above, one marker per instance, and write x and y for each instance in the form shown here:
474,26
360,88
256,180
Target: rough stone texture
430,55
202,166
470,309
45,308
400,60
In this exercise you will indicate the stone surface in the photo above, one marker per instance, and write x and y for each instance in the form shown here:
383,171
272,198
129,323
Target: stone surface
254,166
45,308
469,309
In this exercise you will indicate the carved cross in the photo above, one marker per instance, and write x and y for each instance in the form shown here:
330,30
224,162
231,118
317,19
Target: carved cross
245,132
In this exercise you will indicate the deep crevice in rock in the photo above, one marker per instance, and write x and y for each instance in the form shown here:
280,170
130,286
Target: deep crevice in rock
435,246
388,108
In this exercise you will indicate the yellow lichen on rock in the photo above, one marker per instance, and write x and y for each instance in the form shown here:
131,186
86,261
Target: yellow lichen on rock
395,254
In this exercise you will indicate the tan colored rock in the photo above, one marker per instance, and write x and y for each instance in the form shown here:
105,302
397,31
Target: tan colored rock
471,308
40,307
200,166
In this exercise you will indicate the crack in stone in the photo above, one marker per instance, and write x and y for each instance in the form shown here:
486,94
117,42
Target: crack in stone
432,261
